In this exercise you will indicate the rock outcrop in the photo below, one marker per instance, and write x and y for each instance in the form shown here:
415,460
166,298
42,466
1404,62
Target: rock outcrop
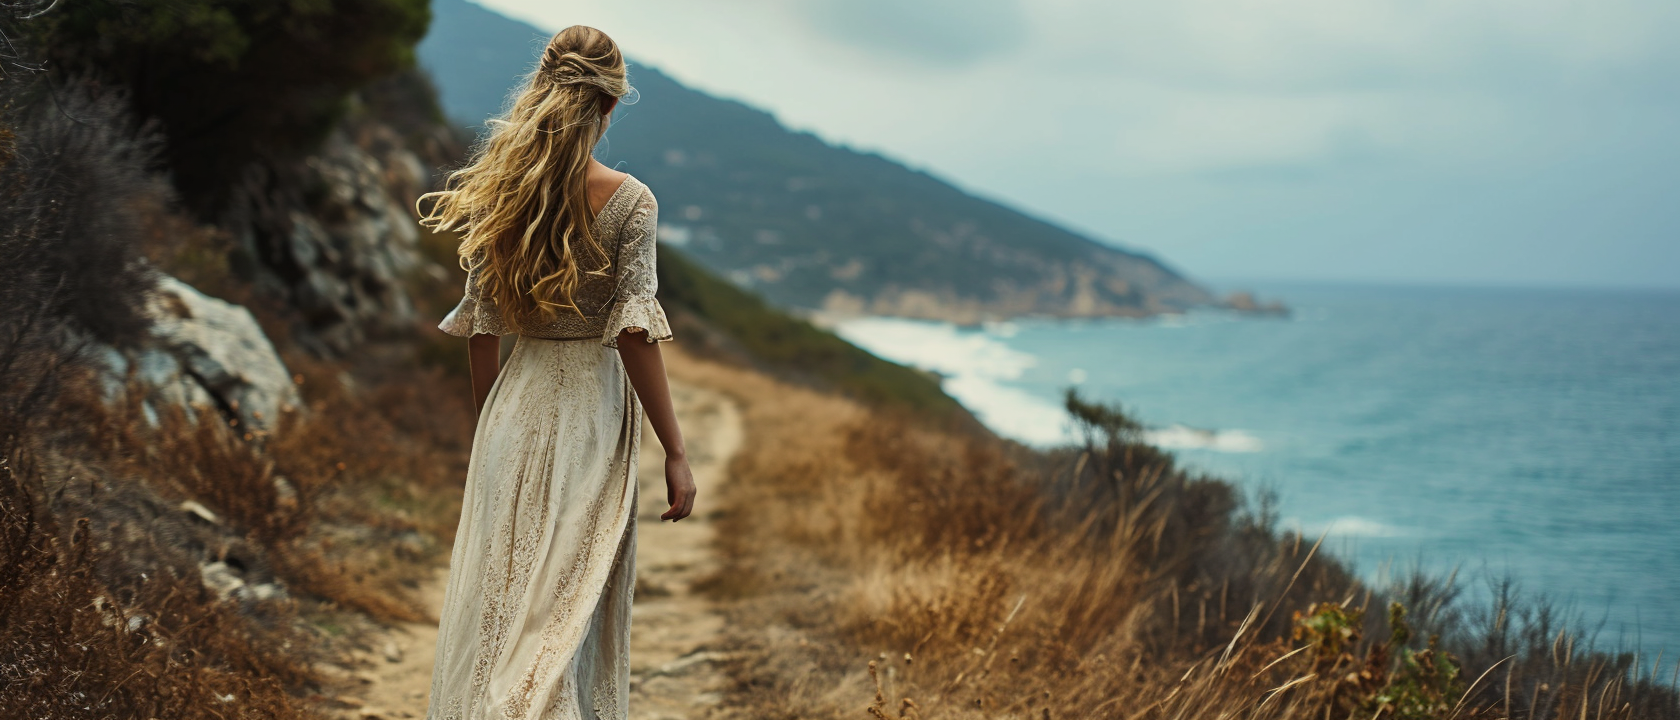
335,236
203,355
1244,302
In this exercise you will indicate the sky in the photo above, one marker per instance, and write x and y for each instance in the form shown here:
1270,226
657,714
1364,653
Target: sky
1482,142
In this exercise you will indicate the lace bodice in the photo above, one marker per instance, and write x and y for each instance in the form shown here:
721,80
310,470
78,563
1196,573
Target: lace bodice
611,299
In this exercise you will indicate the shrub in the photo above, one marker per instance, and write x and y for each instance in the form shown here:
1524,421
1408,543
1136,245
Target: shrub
75,185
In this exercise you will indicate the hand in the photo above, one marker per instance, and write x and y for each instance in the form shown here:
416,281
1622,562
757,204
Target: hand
679,489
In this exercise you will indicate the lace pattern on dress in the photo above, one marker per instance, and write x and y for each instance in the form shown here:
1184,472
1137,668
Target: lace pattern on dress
536,618
635,307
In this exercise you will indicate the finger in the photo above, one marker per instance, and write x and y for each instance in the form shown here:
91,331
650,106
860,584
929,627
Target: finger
669,514
683,504
688,503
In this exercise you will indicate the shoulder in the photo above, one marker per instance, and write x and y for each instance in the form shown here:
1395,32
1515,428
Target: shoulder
639,197
643,193
631,207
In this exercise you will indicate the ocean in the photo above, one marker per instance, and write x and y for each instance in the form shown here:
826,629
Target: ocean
1523,433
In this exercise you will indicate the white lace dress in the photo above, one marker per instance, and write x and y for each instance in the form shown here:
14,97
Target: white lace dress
536,618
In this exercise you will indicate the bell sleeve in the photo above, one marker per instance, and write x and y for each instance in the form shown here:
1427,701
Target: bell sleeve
634,307
475,315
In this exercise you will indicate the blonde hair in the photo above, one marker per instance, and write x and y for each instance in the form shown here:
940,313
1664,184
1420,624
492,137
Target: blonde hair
522,201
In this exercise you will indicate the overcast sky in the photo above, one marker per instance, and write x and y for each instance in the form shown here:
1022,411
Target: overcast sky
1529,142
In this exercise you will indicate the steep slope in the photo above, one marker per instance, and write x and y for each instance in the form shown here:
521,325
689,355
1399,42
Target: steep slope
807,224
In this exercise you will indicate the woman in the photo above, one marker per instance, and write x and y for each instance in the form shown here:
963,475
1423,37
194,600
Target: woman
560,251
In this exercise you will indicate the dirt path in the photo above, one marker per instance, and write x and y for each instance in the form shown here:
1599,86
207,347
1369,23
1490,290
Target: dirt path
675,633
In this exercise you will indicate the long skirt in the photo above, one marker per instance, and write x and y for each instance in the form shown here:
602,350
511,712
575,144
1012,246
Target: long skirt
536,617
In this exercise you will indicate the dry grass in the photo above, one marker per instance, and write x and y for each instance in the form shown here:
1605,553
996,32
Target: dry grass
334,501
345,509
76,642
879,566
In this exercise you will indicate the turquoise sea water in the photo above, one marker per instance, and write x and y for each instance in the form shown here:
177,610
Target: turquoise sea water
1529,432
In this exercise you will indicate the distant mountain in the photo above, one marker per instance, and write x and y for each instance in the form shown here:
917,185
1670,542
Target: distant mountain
807,224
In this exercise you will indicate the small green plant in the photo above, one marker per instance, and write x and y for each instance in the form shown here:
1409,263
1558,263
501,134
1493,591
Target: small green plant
1423,683
1390,680
1330,629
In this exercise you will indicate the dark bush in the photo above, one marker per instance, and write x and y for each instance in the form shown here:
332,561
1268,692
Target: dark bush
74,182
231,81
74,188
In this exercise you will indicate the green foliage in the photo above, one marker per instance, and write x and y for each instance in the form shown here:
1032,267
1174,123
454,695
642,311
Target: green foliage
1390,680
793,347
231,81
1399,633
1424,683
1330,629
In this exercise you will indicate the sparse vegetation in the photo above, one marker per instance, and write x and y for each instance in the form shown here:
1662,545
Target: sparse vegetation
73,644
337,514
111,524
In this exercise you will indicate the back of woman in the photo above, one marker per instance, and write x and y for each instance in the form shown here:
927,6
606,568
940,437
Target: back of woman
536,616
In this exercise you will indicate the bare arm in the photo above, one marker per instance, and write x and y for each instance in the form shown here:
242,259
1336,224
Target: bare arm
646,368
484,355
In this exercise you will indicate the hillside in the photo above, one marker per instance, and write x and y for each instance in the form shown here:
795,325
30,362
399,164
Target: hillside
810,225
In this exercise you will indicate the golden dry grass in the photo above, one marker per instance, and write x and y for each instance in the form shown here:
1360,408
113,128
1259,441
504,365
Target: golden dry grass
92,627
878,566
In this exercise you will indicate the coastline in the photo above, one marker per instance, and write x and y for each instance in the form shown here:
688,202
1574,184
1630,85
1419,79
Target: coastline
840,307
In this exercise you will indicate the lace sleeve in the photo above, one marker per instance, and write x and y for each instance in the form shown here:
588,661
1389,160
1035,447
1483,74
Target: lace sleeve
634,307
475,315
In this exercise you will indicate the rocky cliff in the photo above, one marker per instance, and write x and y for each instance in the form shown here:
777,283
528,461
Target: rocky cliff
334,237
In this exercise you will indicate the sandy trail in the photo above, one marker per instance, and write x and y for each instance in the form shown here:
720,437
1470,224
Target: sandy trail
675,638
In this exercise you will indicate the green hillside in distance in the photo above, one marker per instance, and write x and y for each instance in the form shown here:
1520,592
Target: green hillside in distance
717,319
809,225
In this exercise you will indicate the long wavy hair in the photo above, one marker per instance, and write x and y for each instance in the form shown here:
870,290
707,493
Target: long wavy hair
522,201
